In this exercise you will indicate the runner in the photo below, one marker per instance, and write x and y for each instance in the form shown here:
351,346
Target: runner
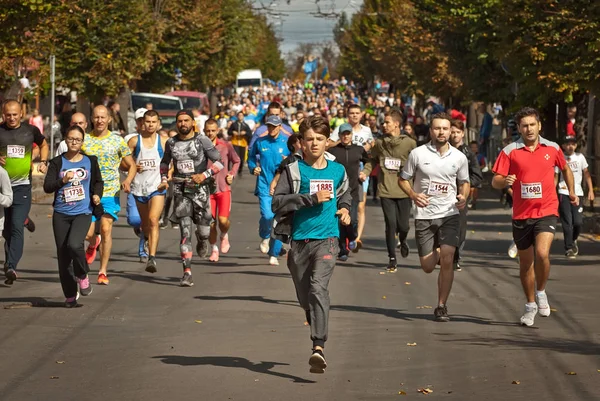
457,135
274,109
264,158
350,156
147,149
220,200
164,218
240,133
111,150
78,119
16,143
528,166
571,217
308,199
437,169
391,153
76,182
190,152
6,194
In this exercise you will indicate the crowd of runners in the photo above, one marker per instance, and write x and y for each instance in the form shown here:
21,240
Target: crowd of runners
316,151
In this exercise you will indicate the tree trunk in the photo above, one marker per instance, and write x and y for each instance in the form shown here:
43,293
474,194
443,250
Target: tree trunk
562,120
594,141
549,122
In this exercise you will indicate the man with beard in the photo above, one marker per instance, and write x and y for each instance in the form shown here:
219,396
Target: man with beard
437,169
190,152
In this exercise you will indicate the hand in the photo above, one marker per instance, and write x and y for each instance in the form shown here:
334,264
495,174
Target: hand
139,168
257,171
462,202
323,196
68,177
229,179
421,200
2,160
162,186
510,179
591,196
574,199
198,178
272,188
367,146
96,200
126,186
362,176
344,216
42,168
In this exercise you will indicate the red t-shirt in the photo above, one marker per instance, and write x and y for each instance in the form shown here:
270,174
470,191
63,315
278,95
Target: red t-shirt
534,192
230,159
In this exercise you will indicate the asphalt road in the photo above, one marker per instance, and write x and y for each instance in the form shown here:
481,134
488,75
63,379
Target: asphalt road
239,334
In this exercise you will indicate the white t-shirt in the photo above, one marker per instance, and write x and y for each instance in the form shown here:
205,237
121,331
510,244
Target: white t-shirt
436,176
61,148
577,163
361,137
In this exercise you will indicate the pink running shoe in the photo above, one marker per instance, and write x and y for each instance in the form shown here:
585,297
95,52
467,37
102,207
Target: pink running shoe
92,249
225,245
214,256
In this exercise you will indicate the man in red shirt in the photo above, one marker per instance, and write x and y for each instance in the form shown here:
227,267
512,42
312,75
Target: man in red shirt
528,166
220,200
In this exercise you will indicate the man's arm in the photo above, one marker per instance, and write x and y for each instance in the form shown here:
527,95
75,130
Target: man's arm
40,140
252,157
590,185
570,181
131,172
285,201
165,163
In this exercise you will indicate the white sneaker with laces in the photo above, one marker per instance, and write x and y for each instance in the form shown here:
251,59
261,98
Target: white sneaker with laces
264,246
542,302
273,261
529,315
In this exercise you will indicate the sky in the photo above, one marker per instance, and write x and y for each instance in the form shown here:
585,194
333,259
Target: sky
295,24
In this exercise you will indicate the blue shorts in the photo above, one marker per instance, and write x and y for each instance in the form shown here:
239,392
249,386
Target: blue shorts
365,185
146,199
111,205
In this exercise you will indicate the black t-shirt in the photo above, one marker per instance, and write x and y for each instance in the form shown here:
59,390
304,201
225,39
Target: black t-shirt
16,145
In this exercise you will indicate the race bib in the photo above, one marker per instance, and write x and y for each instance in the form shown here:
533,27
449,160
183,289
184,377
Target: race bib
438,188
392,164
185,166
321,185
74,193
148,164
15,151
531,190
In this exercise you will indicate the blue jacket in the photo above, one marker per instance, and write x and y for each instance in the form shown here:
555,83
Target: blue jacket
267,153
261,132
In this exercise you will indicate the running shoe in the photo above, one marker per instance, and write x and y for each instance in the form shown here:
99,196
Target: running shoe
358,246
214,256
175,226
92,249
146,247
575,248
162,223
273,261
225,246
317,362
542,303
529,315
151,265
283,252
441,314
404,249
202,248
102,279
137,231
71,302
85,288
352,245
343,258
264,246
187,280
143,258
457,267
570,254
391,267
11,276
29,225
513,252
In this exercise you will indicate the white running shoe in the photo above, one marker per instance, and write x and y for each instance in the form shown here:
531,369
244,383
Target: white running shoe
542,303
529,315
273,261
264,246
513,252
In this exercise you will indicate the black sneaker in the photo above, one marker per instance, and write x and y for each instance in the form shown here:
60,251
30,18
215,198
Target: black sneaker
162,224
151,265
404,249
317,361
187,280
457,267
29,225
575,248
391,268
570,254
11,276
441,314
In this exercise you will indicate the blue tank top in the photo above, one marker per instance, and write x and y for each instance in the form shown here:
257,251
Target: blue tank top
74,198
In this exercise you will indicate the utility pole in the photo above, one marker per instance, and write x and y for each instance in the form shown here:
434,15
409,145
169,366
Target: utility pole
52,102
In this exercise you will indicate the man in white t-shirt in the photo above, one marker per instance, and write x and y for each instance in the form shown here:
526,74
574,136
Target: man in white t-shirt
436,168
571,215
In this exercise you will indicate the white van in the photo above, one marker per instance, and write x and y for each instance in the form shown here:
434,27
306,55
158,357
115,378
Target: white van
248,79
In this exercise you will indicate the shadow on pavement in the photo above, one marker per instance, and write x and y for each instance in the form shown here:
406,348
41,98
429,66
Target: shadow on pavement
253,273
29,302
231,362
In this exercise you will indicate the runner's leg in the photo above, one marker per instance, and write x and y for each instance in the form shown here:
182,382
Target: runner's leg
566,220
106,226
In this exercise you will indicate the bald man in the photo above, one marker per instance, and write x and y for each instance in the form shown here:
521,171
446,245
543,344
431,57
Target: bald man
16,145
110,150
76,119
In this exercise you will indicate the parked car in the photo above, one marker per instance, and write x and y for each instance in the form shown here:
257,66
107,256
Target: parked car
166,106
191,99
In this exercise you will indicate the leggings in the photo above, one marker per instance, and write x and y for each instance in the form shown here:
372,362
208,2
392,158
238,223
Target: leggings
241,152
69,234
396,213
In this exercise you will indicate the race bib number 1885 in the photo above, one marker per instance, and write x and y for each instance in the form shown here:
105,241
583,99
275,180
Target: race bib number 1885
321,185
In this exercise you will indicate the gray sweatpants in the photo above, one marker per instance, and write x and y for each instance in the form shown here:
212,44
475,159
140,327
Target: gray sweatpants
311,264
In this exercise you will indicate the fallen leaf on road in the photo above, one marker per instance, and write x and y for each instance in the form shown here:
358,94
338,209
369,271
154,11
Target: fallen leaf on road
553,310
411,344
571,373
382,273
516,382
198,321
384,297
273,331
499,233
424,307
407,282
306,323
424,391
60,362
402,392
255,380
472,231
117,297
53,377
49,216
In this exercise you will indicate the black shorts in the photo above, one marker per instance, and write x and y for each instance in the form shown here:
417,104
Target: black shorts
432,233
525,231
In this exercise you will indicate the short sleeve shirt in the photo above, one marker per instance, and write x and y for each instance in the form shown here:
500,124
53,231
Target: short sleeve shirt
16,145
577,163
360,138
534,194
109,150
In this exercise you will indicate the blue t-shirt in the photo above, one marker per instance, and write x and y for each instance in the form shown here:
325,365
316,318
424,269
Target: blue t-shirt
74,198
318,222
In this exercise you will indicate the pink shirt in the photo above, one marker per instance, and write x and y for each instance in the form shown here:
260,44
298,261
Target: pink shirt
230,160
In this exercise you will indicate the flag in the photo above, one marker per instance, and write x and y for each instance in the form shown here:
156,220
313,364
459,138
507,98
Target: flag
325,74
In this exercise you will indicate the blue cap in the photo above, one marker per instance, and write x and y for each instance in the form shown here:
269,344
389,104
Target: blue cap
274,120
345,127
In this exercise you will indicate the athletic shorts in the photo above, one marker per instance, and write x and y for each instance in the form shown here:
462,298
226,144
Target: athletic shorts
432,233
111,206
220,204
365,185
525,231
146,199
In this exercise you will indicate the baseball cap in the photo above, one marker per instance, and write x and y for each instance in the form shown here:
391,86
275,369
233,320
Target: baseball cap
139,113
345,127
570,138
274,120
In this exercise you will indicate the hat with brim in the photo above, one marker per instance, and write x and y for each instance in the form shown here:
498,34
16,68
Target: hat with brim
274,121
345,128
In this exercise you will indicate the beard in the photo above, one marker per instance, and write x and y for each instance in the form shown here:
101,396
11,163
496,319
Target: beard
184,130
441,141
